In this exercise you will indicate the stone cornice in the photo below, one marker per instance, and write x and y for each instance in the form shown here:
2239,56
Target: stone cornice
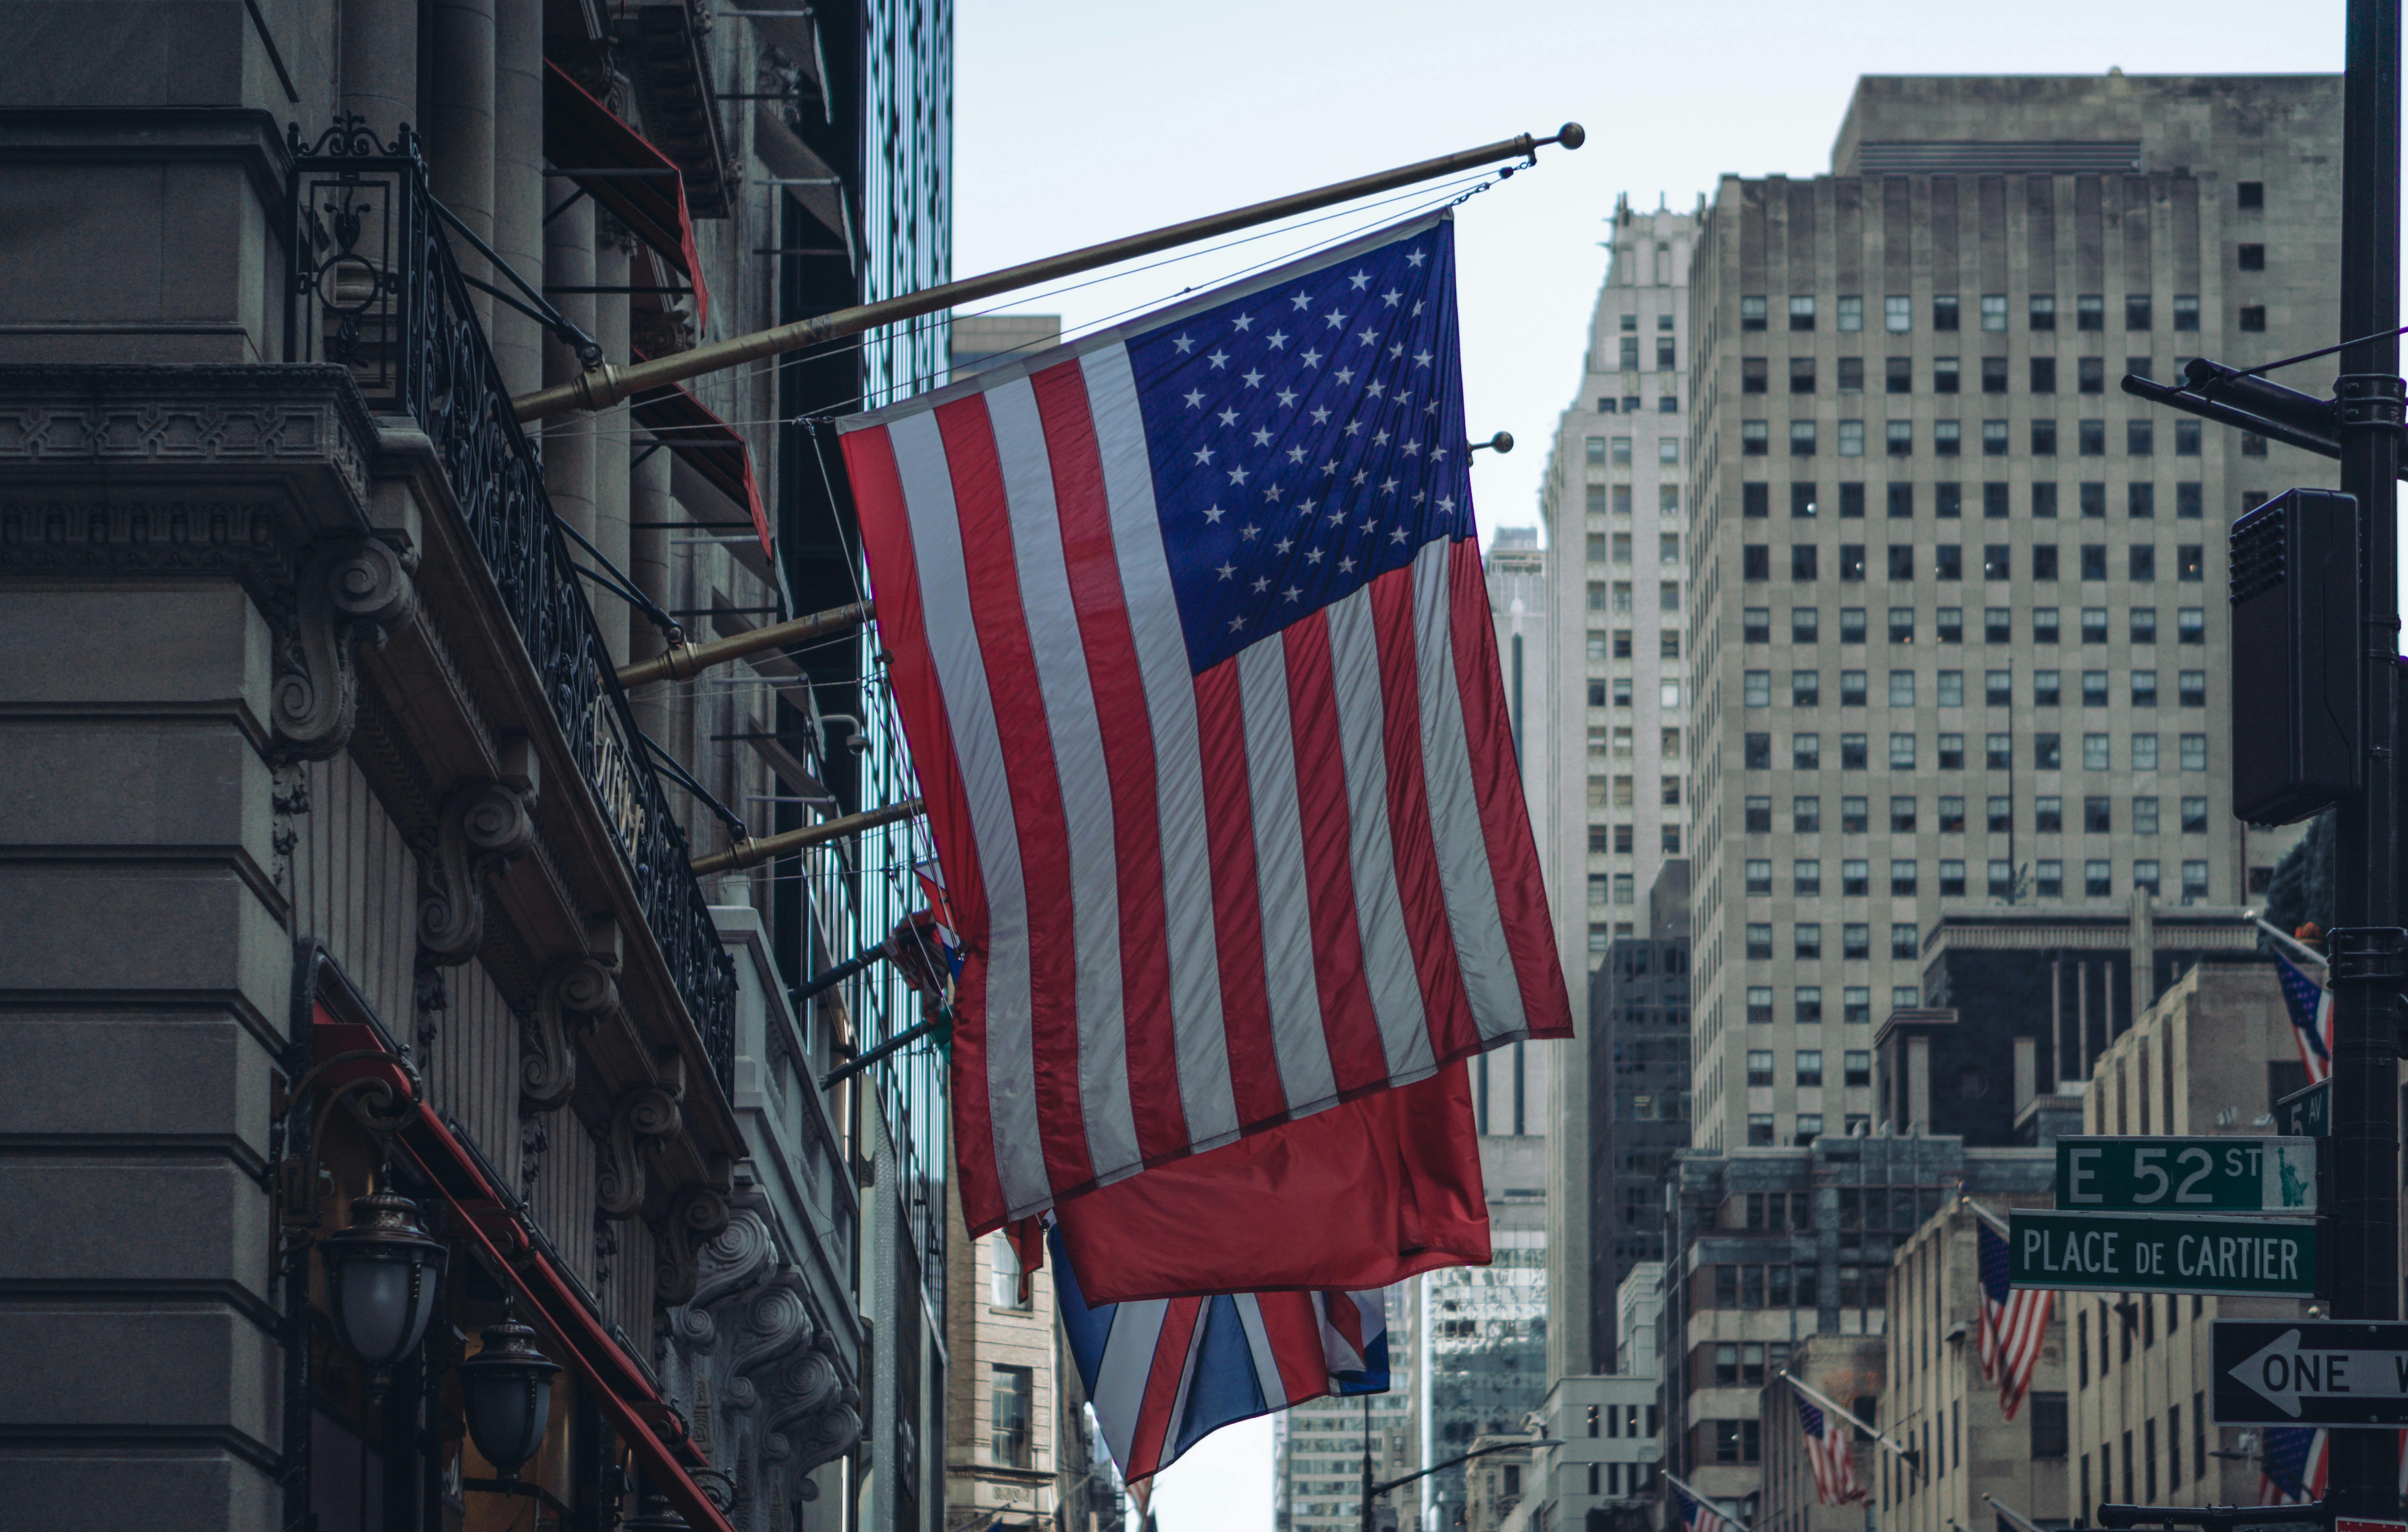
246,135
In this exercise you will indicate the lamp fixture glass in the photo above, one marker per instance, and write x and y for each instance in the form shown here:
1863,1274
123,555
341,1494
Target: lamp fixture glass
506,1392
381,1276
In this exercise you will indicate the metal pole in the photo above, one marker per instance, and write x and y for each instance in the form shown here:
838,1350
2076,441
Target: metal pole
751,853
683,660
1366,1496
2365,947
606,385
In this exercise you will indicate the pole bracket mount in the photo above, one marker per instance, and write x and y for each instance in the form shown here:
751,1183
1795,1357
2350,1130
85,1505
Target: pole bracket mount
2370,399
2368,954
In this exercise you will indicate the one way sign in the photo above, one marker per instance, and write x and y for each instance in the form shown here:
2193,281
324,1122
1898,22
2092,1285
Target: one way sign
2320,1372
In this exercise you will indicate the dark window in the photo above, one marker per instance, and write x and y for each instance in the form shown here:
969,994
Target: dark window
1755,501
1754,374
2250,195
2048,814
2190,561
1852,619
1801,375
2143,562
2043,310
2090,438
1994,502
2136,311
2043,438
2185,311
1806,751
2140,437
1801,502
1852,375
1852,688
2050,1437
2044,502
1944,311
2251,257
1900,500
1952,756
1759,816
1946,375
1901,625
1755,626
1898,373
2093,499
1998,625
2043,375
1756,562
1949,623
2140,501
2094,560
2048,752
1993,375
1951,561
2044,561
1996,563
1948,502
1801,561
1854,818
1805,815
1852,502
1750,312
2089,312
2096,817
2253,316
2190,688
1852,561
1901,561
1852,752
1951,815
2090,374
2047,692
1803,626
1759,755
2190,500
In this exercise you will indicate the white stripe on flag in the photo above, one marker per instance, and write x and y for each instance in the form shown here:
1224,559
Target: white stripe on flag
969,711
1378,907
1126,1365
1297,1034
1258,1341
1153,607
1078,749
1463,868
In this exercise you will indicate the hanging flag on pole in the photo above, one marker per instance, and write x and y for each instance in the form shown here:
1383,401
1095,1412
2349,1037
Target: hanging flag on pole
1192,647
1698,1515
1164,1374
2291,1466
2309,1005
1828,1450
2013,1323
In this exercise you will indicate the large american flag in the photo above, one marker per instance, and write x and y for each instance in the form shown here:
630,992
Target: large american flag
1191,644
1828,1449
2309,1007
2014,1324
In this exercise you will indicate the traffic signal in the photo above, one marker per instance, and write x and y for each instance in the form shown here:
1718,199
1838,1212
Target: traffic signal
2295,681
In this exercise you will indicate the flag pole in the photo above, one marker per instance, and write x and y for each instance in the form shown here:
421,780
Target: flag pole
1905,1455
2292,942
605,385
2022,1522
1694,1493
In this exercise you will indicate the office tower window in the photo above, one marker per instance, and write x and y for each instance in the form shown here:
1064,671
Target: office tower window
1902,812
1852,752
2142,564
1754,375
2194,882
1760,1006
2145,625
1801,438
1993,375
1947,438
1951,688
2044,618
2145,753
1903,942
2089,312
2091,375
1754,438
1901,619
2043,444
2094,688
2045,689
1952,753
2000,814
1758,751
2048,752
2044,567
2048,878
1898,314
1802,562
2094,753
1750,312
1901,875
2090,438
1952,814
1994,311
2140,501
2140,437
1946,374
2002,876
1997,624
1804,625
1852,625
1852,444
1901,438
1949,622
2251,257
1951,879
2136,311
2048,813
1801,312
2043,310
1805,688
1805,815
1727,1445
1854,818
1948,502
2252,318
1856,880
2097,818
1667,449
1806,881
1855,940
1806,751
1902,688
1856,1009
1997,751
2098,880
1996,563
2146,875
2185,310
2144,688
1944,311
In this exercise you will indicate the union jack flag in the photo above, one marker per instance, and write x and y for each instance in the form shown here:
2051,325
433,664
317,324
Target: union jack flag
1193,649
1699,1515
1164,1373
2311,1008
1828,1451
2014,1324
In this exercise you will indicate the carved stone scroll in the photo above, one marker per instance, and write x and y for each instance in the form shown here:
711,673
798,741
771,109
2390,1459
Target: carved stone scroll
348,589
696,1213
483,825
642,1112
575,994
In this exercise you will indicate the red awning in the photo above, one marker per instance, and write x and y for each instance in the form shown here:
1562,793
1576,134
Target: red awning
572,1332
685,426
580,134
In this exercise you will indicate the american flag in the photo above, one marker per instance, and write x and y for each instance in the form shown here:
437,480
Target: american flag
1163,1374
1191,644
1699,1515
2014,1324
2309,1005
1828,1449
2291,1466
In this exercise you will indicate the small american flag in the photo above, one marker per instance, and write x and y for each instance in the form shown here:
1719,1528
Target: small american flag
1828,1449
2291,1466
2014,1324
1699,1515
2309,1005
1192,648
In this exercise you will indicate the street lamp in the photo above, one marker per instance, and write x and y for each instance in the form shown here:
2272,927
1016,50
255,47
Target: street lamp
506,1392
381,1284
1373,1492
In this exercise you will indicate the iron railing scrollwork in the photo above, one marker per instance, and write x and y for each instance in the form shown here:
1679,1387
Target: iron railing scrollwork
375,288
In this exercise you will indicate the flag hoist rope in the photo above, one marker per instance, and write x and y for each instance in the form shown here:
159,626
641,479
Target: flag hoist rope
606,385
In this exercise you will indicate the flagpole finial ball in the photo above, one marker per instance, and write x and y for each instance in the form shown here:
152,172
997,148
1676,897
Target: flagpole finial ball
1571,135
1502,441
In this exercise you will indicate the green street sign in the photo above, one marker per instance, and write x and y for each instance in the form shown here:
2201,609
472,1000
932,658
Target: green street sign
2161,1252
2104,1174
2306,1114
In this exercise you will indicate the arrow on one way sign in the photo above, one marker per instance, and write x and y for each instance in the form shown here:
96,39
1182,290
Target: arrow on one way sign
2313,1373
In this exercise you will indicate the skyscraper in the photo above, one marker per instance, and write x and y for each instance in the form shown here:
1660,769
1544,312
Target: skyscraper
1613,775
1957,616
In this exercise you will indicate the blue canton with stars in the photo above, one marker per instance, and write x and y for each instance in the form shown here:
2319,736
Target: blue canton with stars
1306,438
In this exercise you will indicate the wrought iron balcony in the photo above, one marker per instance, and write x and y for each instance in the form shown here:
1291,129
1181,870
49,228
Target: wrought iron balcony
375,287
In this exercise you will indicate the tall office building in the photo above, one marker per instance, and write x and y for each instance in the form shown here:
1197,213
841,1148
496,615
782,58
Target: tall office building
1317,1446
1956,612
1608,783
1483,1330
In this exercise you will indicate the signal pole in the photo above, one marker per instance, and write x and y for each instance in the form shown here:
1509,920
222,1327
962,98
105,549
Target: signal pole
2367,949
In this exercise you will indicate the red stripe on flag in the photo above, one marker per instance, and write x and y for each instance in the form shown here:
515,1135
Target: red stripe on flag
1444,1000
1504,816
1126,726
995,598
1236,906
1358,1058
1171,1349
886,543
1293,1327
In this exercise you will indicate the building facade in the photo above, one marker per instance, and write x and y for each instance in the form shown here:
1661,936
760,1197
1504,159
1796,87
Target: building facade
1849,1369
1602,1479
1956,603
1318,1446
1611,780
1484,1329
347,772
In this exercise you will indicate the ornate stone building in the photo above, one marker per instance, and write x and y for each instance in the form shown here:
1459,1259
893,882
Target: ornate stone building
341,859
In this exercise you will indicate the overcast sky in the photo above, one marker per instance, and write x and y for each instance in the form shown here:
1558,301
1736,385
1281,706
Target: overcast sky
1079,122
